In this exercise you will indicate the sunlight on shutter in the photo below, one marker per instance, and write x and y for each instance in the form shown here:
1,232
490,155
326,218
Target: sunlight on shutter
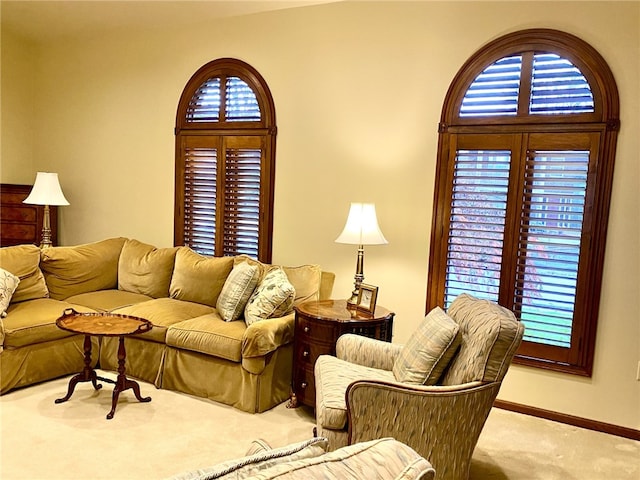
205,103
558,87
242,201
495,90
550,234
200,199
242,104
477,223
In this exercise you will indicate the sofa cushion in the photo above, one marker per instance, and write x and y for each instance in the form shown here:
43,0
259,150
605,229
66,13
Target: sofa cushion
145,269
332,377
306,279
108,300
488,331
306,282
429,350
79,269
34,321
23,261
197,278
208,334
237,290
8,284
272,298
247,467
384,458
162,313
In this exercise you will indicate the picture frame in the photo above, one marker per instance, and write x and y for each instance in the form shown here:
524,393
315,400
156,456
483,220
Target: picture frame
367,296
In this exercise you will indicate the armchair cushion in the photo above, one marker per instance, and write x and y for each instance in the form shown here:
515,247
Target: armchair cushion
429,350
332,377
490,336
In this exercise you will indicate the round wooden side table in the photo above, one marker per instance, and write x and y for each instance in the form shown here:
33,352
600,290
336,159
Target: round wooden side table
318,324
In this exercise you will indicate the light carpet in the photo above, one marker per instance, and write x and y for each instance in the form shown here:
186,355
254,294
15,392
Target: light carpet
177,432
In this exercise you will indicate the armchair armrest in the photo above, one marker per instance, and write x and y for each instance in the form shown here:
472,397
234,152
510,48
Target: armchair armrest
441,423
265,336
367,352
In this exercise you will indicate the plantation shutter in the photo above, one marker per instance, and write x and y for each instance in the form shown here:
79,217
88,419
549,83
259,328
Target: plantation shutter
200,192
477,223
243,160
225,143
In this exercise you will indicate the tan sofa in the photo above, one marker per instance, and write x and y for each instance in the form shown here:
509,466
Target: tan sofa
190,348
381,459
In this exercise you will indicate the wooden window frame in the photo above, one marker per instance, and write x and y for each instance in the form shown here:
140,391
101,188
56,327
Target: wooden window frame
265,129
602,122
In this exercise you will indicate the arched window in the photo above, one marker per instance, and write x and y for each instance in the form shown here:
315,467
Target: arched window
525,166
225,162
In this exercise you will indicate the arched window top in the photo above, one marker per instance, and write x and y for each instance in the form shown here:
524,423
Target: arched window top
533,76
224,93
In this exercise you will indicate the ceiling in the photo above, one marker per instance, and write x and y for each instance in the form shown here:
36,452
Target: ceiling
43,20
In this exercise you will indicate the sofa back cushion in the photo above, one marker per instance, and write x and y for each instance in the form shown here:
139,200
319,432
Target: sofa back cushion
197,278
491,335
145,269
306,282
23,261
80,269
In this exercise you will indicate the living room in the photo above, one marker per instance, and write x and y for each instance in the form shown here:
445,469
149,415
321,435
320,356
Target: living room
91,91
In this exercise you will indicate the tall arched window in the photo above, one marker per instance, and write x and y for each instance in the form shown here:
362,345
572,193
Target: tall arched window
225,162
525,166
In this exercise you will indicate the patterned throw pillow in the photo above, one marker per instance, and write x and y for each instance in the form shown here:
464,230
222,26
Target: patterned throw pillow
8,284
273,298
430,349
237,290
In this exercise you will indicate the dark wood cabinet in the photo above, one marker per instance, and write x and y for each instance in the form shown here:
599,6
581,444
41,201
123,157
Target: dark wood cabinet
317,328
21,223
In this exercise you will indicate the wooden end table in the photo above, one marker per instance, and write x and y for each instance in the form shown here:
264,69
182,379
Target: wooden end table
318,325
106,325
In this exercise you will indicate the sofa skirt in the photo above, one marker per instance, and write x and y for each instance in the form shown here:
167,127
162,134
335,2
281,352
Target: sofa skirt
43,361
228,382
144,358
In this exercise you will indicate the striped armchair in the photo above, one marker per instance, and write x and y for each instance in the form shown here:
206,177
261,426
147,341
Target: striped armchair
358,397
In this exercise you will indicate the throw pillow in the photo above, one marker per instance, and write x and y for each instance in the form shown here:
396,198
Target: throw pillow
430,349
237,290
273,297
8,284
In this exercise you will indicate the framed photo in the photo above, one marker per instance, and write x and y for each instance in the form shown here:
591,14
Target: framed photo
367,296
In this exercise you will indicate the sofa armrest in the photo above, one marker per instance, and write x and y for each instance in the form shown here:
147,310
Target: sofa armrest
265,336
367,352
441,423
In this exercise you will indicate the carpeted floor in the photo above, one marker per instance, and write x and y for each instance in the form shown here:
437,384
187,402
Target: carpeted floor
176,432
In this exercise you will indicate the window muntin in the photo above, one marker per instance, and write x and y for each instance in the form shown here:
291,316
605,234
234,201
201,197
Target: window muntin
558,150
225,144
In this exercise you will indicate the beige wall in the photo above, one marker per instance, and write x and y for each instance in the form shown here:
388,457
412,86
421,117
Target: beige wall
358,89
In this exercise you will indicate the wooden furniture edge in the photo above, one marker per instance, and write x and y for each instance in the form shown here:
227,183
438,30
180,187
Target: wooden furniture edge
572,420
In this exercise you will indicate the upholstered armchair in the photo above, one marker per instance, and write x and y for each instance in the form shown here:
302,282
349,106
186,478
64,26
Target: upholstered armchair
434,393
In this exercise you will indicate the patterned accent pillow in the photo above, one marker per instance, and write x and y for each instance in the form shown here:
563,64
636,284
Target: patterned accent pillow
430,349
273,298
8,284
237,290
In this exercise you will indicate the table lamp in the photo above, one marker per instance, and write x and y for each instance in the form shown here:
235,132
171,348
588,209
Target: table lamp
46,191
361,229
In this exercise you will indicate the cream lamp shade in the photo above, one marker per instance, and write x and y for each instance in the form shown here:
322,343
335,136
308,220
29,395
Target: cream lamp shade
46,191
361,229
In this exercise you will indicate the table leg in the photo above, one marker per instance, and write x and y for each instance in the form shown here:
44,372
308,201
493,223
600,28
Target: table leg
122,382
88,374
